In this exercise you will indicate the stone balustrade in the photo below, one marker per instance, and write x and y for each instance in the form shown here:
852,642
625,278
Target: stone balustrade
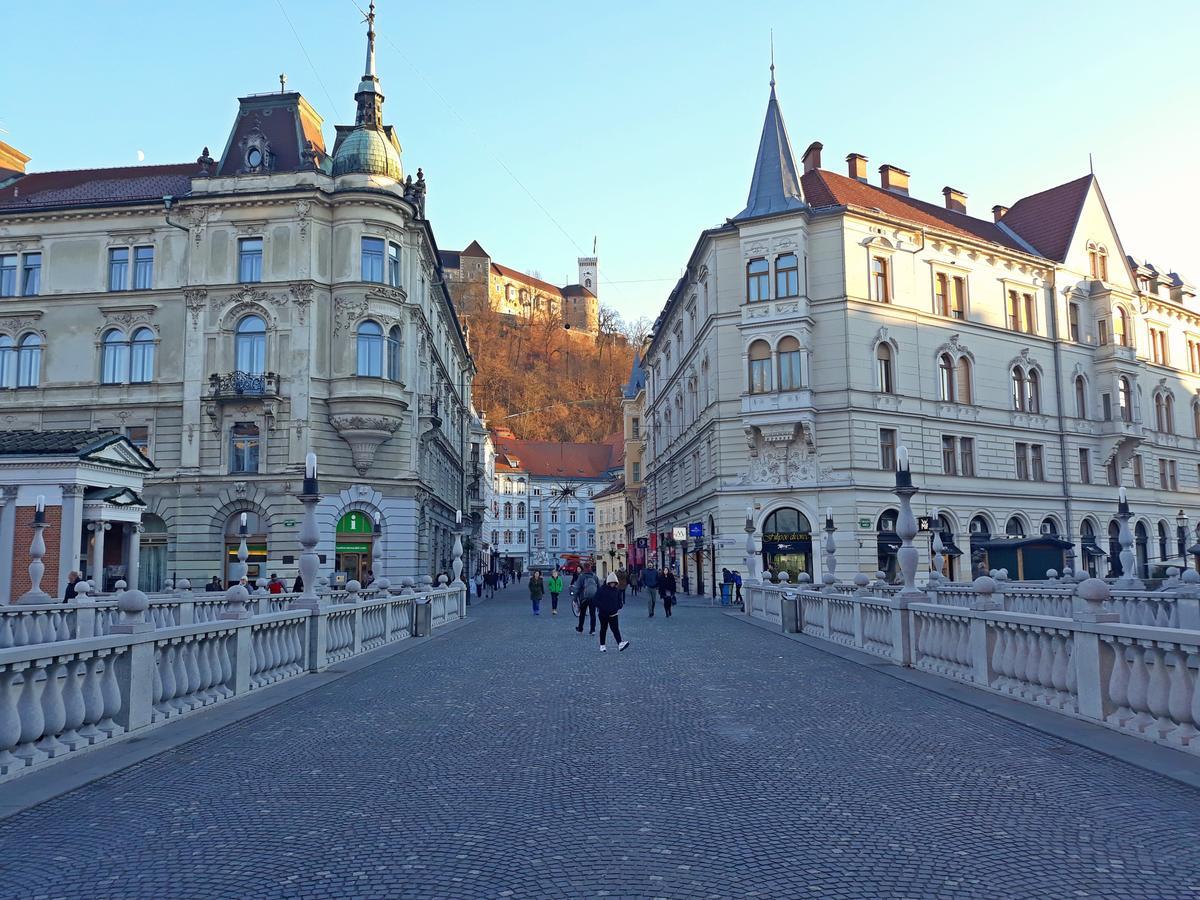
1141,679
71,678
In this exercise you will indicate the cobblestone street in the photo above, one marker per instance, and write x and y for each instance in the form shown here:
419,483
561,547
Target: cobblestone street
509,758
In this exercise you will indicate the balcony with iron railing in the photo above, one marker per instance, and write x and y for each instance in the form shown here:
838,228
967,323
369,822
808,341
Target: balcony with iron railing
242,385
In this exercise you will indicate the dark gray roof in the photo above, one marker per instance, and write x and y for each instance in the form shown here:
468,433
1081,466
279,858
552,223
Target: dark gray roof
50,443
775,187
450,259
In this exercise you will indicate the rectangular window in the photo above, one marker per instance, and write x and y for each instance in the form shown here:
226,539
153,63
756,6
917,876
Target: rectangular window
139,436
31,276
572,540
1037,466
1173,473
880,279
554,517
760,376
1110,472
1102,331
1028,310
143,268
571,514
244,448
1193,346
8,275
949,456
787,276
941,294
966,455
250,254
958,299
394,265
789,370
758,280
118,268
1014,311
887,449
637,428
372,260
637,472
1106,405
1162,474
1073,321
591,517
537,516
1085,466
1139,475
1022,456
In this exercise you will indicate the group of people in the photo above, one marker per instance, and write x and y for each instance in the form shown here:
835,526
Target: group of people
487,583
589,598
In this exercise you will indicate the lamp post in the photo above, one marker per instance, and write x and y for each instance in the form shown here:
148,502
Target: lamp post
1128,580
612,556
906,526
242,569
309,535
937,547
1181,528
830,576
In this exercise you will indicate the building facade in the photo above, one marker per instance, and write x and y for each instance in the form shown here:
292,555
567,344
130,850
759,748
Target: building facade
633,401
475,281
232,314
611,549
1028,365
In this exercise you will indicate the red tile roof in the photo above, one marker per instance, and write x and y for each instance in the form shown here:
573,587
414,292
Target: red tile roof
1047,219
563,460
527,279
823,188
97,187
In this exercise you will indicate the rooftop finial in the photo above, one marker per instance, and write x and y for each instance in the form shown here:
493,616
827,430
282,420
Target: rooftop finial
772,59
370,20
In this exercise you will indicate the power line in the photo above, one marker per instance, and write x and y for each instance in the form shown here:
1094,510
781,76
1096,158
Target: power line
304,50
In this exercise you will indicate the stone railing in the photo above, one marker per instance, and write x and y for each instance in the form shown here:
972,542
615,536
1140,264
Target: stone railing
1140,679
67,694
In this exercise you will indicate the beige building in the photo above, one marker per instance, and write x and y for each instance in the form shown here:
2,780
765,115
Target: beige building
611,548
633,401
1025,361
231,314
475,279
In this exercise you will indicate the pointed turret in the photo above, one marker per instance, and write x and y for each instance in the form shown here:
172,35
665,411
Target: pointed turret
775,187
369,147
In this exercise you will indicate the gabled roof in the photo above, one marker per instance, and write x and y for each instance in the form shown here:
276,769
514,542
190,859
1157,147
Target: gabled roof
556,459
617,487
775,187
824,188
98,187
1047,219
94,446
473,249
115,496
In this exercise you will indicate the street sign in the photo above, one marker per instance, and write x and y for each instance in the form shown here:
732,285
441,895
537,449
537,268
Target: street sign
679,533
289,523
864,524
696,529
924,523
642,543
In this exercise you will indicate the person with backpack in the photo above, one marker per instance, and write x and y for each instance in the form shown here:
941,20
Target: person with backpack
666,586
650,582
554,586
537,588
609,600
585,588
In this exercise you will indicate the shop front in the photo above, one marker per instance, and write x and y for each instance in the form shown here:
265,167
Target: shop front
256,546
355,538
787,543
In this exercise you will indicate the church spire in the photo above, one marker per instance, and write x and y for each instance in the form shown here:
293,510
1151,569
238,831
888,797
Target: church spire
369,97
775,186
369,71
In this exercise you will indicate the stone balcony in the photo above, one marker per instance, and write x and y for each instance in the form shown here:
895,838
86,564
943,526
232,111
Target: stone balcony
242,385
777,402
366,412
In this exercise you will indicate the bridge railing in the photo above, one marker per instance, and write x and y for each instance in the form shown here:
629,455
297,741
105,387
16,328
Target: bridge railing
66,694
1139,679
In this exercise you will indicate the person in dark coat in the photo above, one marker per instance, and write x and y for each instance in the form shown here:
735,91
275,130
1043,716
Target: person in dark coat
72,580
298,585
666,587
214,585
650,581
608,603
537,587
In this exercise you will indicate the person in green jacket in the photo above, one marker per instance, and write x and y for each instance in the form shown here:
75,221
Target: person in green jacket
554,584
537,587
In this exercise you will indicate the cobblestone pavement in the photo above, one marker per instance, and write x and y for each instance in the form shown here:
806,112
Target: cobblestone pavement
711,759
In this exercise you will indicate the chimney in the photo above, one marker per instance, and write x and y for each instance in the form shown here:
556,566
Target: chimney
894,179
955,199
998,213
857,164
812,157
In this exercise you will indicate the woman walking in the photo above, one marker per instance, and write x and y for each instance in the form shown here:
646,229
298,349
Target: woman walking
666,586
608,603
537,587
554,585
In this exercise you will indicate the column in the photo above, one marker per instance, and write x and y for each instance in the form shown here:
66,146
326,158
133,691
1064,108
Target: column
96,558
70,534
8,531
133,551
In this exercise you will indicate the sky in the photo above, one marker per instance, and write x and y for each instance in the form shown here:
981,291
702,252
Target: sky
544,125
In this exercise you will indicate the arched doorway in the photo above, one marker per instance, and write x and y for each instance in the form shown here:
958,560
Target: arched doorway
355,536
256,545
1115,569
152,554
1141,541
950,551
981,533
787,543
887,543
1091,547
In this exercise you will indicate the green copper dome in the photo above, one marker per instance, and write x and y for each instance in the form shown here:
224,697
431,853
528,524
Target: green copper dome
367,151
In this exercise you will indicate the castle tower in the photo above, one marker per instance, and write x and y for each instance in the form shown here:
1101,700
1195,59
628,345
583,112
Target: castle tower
589,273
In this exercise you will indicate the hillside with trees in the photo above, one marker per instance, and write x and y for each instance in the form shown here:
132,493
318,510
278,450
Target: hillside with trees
546,382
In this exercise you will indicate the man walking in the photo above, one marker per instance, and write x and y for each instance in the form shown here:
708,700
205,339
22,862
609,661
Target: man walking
650,581
585,588
608,601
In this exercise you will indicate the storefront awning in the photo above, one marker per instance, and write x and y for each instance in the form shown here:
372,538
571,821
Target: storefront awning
1091,548
1040,540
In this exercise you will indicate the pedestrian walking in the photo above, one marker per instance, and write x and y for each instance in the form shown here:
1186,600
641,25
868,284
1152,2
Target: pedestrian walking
584,588
537,588
737,585
666,587
635,582
554,586
608,601
650,581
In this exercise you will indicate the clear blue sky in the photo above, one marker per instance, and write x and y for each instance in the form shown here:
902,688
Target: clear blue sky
638,122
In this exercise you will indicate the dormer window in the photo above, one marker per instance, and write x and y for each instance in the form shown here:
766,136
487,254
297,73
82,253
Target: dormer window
254,158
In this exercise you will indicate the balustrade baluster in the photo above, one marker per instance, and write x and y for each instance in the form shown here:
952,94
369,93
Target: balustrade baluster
963,649
21,631
204,670
111,692
999,658
226,641
1157,692
195,691
1118,685
29,709
53,711
10,719
1179,698
1020,659
6,632
93,698
72,698
1139,686
1058,670
1045,674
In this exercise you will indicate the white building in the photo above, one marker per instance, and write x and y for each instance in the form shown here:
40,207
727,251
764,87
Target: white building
1023,359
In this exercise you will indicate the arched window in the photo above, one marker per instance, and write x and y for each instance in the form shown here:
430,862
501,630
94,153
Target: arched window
370,349
496,509
1159,412
1195,406
393,353
885,372
114,357
760,367
250,345
1164,541
1164,412
8,362
29,361
520,510
1080,397
141,363
495,536
946,383
1125,398
1015,527
521,536
789,364
1121,327
979,525
1018,387
508,509
1033,392
1049,527
508,536
1141,541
